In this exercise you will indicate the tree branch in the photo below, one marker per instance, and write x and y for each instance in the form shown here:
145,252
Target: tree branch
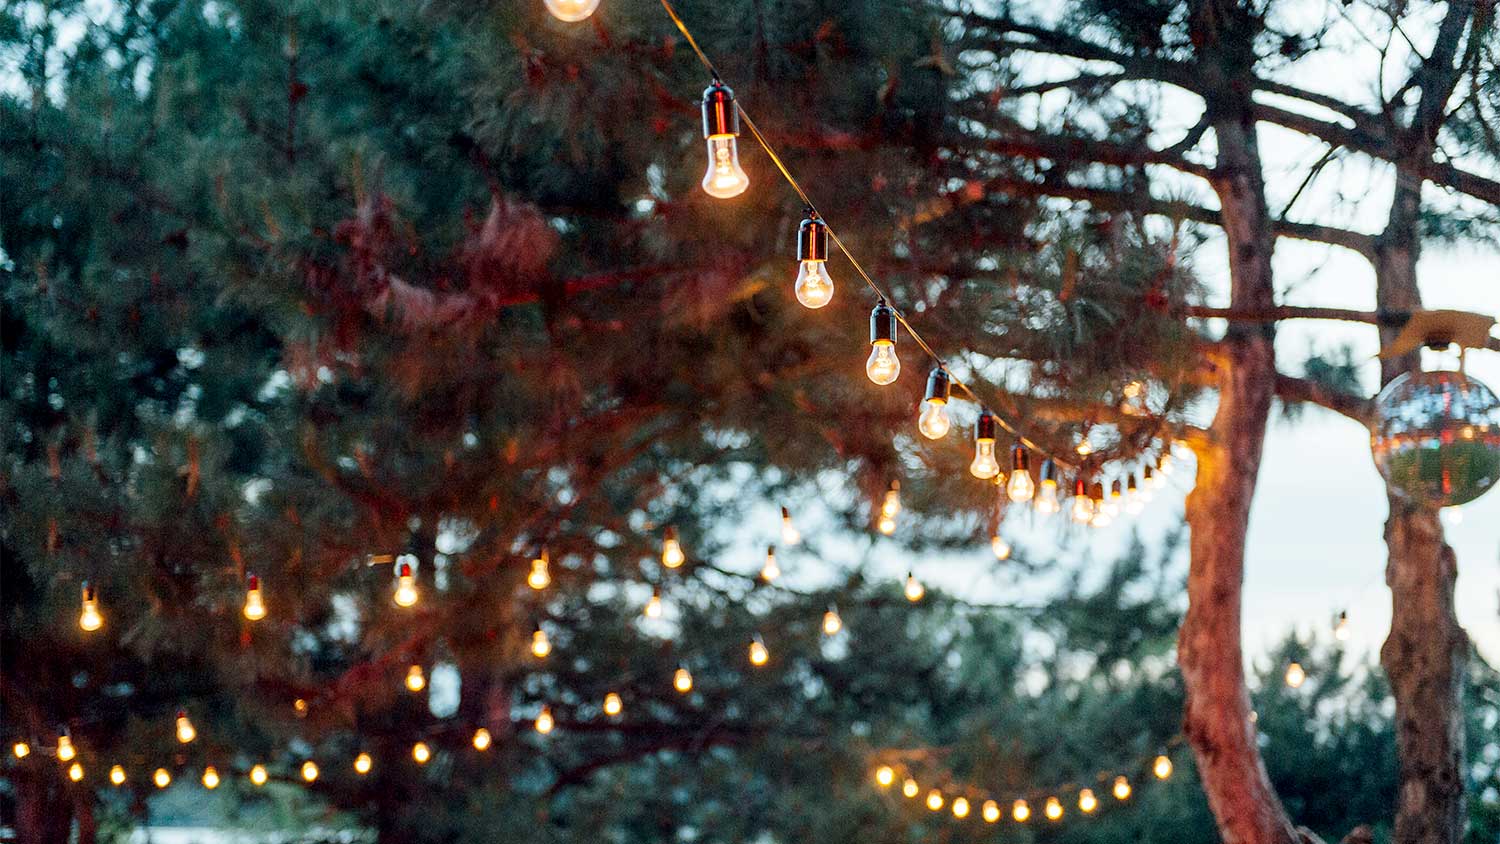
1358,408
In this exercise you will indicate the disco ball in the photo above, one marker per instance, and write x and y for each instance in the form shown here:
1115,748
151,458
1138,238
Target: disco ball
1437,437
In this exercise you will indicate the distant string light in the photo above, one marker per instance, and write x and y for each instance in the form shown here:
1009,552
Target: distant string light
914,589
421,753
770,570
309,771
984,465
482,739
363,762
89,617
832,623
814,287
544,721
186,732
933,421
161,777
1296,675
539,578
671,549
613,704
406,586
210,778
416,680
790,536
682,680
571,11
759,655
724,178
255,604
65,749
258,775
883,366
117,775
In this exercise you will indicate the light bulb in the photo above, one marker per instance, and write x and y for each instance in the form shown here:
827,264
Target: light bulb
1000,547
985,466
544,722
960,808
1164,465
1148,483
759,656
1341,629
814,287
1053,809
21,749
539,578
482,739
416,681
1295,675
990,811
540,644
914,588
891,504
934,800
1046,495
883,366
258,775
613,704
653,606
1087,802
185,730
790,536
75,772
117,775
1020,811
1121,789
1083,506
406,586
1134,501
1162,767
210,778
162,778
255,604
770,571
724,178
933,420
1112,503
886,525
571,11
909,787
682,681
884,776
1020,488
65,749
363,763
89,618
421,753
309,770
832,624
671,549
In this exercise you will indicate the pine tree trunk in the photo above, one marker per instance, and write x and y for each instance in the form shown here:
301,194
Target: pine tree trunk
44,812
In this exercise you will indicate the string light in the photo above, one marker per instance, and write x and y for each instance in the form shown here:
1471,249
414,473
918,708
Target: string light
65,749
832,624
1046,496
909,788
1112,504
210,778
721,128
914,588
1087,802
759,655
1083,506
883,366
416,681
1020,811
1341,628
117,775
790,536
406,586
482,739
770,571
21,749
886,525
162,778
1164,464
984,466
990,811
255,604
1102,518
75,772
186,732
1295,675
363,763
1134,502
934,800
653,606
89,617
999,547
682,680
540,644
1121,789
884,776
814,287
310,771
1162,767
933,421
613,704
258,775
571,11
671,549
960,808
421,753
1148,483
1020,488
891,504
539,578
544,722
1053,809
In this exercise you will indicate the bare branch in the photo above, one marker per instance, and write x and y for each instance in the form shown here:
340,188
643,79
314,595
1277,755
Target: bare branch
1358,408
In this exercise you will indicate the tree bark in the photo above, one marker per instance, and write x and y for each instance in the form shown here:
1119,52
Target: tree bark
44,810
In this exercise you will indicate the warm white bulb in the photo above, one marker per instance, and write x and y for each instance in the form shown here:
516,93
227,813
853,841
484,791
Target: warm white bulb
117,775
309,770
1000,547
814,286
653,606
671,552
482,739
1020,811
891,505
682,681
421,753
416,681
771,570
539,578
613,704
1162,767
789,534
1121,789
758,654
884,776
89,618
1296,675
933,420
363,763
258,775
65,749
960,808
185,730
990,811
255,604
1020,487
934,800
1083,509
1046,497
886,525
832,624
544,721
1053,808
21,749
883,366
406,591
540,644
75,772
985,466
571,11
1087,802
162,778
210,778
1341,629
909,788
914,588
724,178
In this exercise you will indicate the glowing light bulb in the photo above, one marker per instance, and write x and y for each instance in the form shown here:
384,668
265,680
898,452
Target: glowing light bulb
883,366
1121,789
1020,811
832,624
1087,802
891,504
1112,503
671,549
89,618
1020,487
1053,809
990,811
1341,628
759,656
571,11
1046,495
914,588
363,763
117,775
421,753
886,525
75,772
814,287
482,739
310,770
544,722
1083,506
258,775
613,704
790,536
884,776
210,778
682,680
934,800
1295,675
933,420
540,644
909,787
770,571
653,606
162,778
1162,767
21,749
1164,465
1148,483
416,681
406,586
1000,547
960,808
984,465
721,126
65,749
1134,501
539,578
255,603
185,730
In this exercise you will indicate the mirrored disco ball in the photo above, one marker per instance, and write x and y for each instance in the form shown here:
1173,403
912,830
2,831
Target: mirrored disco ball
1437,437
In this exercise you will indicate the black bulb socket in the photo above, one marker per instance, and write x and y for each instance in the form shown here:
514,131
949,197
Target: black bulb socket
984,426
882,323
939,386
812,239
720,118
1020,460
